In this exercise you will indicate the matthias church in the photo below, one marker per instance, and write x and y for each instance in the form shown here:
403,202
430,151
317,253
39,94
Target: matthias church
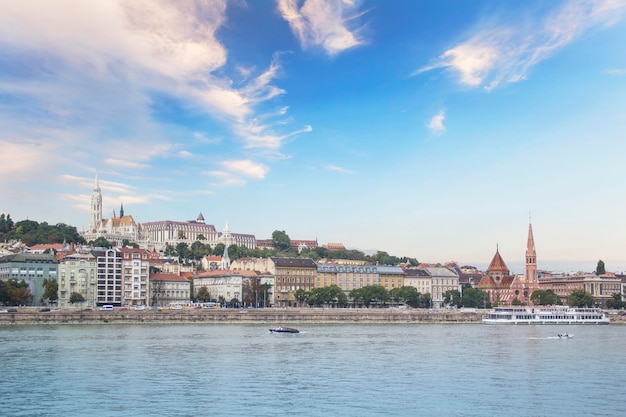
157,234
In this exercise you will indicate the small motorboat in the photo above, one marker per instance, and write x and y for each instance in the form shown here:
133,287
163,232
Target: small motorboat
284,330
565,336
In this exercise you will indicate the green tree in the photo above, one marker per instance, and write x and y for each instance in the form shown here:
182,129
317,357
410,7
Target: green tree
51,290
301,295
128,243
218,250
615,302
76,297
18,292
581,298
281,240
425,301
203,295
331,295
473,297
101,243
452,297
600,269
182,251
369,294
544,298
406,294
199,250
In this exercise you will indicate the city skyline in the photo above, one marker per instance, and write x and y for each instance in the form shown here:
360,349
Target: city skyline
425,129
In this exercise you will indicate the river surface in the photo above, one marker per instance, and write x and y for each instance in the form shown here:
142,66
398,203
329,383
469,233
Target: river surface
326,370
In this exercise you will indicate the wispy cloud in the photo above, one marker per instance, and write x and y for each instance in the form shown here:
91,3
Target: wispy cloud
616,72
337,168
98,66
504,53
21,159
236,172
436,123
322,23
246,168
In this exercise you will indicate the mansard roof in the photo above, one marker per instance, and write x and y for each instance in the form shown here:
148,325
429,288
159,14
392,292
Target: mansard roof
295,262
497,264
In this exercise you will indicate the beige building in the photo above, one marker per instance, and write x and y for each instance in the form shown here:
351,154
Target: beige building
346,277
292,274
601,287
420,279
248,288
166,289
77,274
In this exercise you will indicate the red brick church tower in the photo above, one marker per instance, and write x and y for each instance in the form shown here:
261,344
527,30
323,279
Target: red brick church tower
531,283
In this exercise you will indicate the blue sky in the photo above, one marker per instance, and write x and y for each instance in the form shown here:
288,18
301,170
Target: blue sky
429,129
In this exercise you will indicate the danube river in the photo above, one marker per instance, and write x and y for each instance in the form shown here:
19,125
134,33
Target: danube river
326,370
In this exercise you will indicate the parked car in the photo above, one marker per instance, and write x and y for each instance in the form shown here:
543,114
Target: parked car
4,310
44,310
12,310
139,308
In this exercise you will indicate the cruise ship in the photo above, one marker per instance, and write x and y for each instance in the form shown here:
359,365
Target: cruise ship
546,315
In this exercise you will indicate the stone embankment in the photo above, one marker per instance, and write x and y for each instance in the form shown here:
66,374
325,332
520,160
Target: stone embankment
262,315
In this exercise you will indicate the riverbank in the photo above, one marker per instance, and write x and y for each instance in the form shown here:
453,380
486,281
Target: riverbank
262,315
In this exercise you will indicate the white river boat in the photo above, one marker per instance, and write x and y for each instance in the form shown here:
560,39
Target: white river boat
546,315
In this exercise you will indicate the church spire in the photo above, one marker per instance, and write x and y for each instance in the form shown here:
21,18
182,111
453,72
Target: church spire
532,282
96,206
121,210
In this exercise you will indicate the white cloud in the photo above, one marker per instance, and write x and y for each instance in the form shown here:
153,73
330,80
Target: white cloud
246,168
436,123
124,163
339,169
504,54
616,72
25,159
104,62
322,23
236,172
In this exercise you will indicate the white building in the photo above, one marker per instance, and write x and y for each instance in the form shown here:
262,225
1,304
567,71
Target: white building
135,274
443,279
419,279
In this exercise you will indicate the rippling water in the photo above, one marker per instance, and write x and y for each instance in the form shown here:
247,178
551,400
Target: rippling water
327,370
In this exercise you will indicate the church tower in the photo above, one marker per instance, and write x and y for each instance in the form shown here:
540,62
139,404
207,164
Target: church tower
532,282
96,206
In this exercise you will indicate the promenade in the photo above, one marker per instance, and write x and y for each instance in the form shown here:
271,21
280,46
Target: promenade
32,315
262,315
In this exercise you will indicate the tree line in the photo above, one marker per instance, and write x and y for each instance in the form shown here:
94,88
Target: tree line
31,232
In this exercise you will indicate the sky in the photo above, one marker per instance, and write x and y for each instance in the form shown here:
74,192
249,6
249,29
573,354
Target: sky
430,129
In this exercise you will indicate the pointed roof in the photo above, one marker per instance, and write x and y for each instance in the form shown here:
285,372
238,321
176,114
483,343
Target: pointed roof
96,185
200,218
497,264
226,228
530,246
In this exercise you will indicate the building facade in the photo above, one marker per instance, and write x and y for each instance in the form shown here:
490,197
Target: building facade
109,276
419,279
346,277
443,279
33,269
78,274
292,274
167,289
135,276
